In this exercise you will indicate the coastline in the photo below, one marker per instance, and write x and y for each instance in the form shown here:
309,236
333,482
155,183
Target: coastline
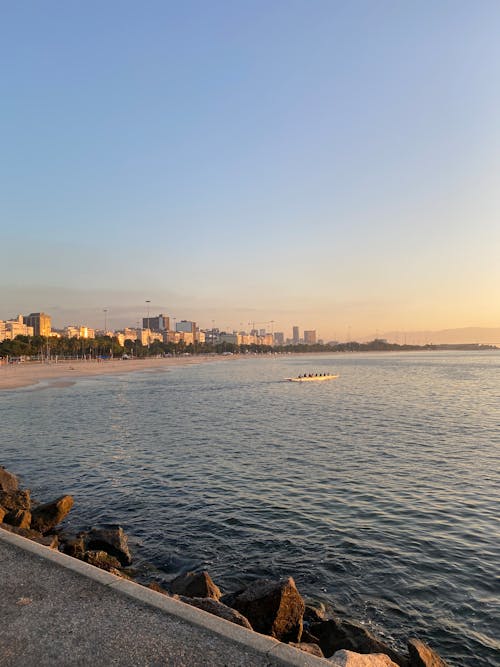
265,610
63,373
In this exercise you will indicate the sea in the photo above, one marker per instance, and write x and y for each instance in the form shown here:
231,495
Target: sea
378,492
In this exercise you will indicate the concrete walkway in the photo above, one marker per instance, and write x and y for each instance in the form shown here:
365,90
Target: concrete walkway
56,610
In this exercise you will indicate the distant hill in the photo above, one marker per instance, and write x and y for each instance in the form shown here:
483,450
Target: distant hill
481,335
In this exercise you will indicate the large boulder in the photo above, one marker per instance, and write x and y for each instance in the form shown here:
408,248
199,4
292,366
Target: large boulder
422,655
336,634
33,535
218,609
19,518
307,647
314,614
15,500
102,560
273,608
345,658
74,547
8,481
46,517
110,539
195,585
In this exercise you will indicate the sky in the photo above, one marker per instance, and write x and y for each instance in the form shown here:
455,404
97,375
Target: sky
328,164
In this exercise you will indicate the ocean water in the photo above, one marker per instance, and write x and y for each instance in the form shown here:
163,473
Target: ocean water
379,492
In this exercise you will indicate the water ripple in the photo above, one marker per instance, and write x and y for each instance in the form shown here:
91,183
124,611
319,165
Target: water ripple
378,492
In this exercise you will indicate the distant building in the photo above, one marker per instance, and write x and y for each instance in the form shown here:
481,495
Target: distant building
41,323
9,329
248,339
279,338
187,337
120,338
129,334
143,336
232,338
159,323
78,332
310,337
171,337
211,336
185,326
295,335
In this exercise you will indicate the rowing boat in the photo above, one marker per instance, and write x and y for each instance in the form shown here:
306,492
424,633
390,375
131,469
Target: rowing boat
312,378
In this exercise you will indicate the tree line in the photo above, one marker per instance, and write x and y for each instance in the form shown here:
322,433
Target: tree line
106,346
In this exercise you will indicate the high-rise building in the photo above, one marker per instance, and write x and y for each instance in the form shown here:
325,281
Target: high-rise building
310,337
295,335
41,323
279,338
159,323
186,326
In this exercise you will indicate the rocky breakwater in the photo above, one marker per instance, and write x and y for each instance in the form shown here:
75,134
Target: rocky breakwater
24,516
270,607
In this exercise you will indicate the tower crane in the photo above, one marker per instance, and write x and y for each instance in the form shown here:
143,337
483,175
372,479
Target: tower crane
252,324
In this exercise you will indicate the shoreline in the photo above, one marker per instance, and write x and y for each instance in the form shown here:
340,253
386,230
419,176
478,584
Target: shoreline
266,607
63,373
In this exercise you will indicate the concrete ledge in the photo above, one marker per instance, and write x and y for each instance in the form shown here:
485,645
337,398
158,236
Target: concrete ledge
265,650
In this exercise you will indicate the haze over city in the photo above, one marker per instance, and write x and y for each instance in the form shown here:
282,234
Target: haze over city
327,165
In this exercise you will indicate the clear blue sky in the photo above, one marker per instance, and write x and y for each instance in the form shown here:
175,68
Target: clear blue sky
329,164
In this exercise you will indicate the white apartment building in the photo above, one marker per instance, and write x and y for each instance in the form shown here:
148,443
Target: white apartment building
9,329
78,332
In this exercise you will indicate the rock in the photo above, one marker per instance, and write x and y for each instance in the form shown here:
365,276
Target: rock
345,658
2,514
335,634
314,614
121,573
158,589
422,655
112,540
19,518
307,647
102,560
218,609
33,535
51,541
308,638
8,481
15,500
74,547
273,608
195,585
47,516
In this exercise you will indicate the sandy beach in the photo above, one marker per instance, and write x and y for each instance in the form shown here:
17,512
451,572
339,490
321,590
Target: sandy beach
64,373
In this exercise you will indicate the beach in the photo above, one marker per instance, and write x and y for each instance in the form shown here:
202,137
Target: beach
63,373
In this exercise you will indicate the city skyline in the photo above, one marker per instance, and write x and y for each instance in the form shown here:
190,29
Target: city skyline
258,162
293,334
41,324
